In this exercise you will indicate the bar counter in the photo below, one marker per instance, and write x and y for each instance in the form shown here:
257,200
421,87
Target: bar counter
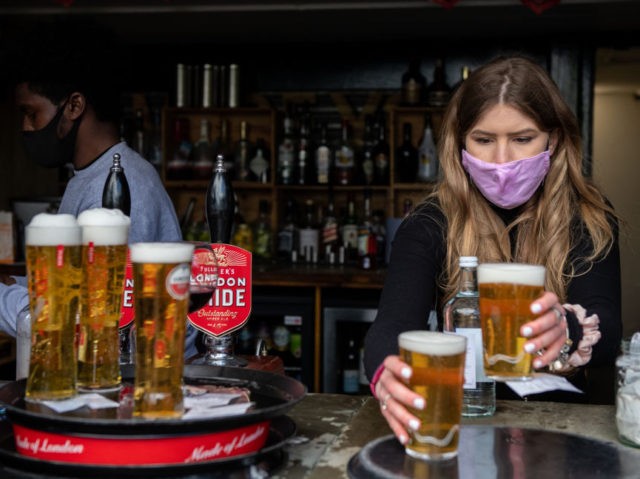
332,428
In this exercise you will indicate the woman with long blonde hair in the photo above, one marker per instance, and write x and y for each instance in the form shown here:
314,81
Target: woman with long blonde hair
511,190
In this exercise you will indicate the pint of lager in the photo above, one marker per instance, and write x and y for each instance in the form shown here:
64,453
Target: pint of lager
161,299
437,360
54,273
506,293
104,256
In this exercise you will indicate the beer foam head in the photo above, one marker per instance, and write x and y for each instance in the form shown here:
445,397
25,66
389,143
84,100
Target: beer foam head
104,226
47,229
515,273
431,342
161,252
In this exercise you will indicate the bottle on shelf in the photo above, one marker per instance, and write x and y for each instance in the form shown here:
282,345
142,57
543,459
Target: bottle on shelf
329,240
367,165
243,154
406,157
259,165
381,154
413,84
203,158
243,236
380,232
349,232
351,369
288,233
222,147
427,154
220,204
139,136
438,91
304,166
323,158
286,153
116,193
179,167
262,237
344,161
308,234
462,316
366,238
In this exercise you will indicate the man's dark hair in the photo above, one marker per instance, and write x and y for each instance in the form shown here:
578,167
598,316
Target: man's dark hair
64,56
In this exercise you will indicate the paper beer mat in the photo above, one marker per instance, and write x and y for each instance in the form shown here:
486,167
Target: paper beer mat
230,305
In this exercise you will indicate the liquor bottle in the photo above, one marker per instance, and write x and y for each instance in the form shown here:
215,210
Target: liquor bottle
220,204
366,238
381,154
329,238
351,369
286,153
262,236
427,154
323,158
380,232
406,157
243,154
304,173
462,316
178,168
350,232
344,162
243,234
116,194
438,92
139,137
367,164
259,166
309,234
203,158
413,84
288,233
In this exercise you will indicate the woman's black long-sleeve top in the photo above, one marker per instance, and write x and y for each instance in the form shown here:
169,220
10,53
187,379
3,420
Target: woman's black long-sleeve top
417,258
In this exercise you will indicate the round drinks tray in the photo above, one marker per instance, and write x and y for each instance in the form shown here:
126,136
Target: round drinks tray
487,451
97,439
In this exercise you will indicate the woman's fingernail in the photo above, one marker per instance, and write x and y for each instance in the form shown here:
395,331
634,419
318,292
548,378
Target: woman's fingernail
537,363
536,308
406,373
418,403
529,347
403,439
414,424
526,332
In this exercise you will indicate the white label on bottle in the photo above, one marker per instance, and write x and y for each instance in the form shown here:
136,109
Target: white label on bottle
473,365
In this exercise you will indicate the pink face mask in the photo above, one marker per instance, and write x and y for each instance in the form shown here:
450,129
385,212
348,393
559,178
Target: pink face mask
507,185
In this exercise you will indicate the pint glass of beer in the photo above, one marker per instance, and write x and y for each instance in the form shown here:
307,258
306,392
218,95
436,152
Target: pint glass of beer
161,299
437,360
506,292
54,273
104,256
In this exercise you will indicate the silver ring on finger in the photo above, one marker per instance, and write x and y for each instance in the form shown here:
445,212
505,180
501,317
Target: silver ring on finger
383,403
559,314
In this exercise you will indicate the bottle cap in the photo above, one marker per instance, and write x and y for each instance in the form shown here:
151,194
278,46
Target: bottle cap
468,261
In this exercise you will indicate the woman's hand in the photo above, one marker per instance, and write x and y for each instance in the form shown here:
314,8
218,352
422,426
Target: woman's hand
394,396
548,332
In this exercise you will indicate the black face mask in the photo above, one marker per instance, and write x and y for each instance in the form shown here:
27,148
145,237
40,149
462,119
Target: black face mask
45,148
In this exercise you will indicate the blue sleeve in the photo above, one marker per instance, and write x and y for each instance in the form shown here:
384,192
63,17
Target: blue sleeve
13,299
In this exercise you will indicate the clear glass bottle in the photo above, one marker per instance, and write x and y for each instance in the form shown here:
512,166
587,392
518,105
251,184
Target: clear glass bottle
427,154
462,316
262,236
628,391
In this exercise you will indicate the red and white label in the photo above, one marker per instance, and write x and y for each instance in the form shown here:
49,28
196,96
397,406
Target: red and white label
60,256
120,450
177,281
230,304
126,310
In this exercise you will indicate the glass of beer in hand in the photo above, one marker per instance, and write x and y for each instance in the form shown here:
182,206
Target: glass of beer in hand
54,273
506,292
161,299
437,360
104,256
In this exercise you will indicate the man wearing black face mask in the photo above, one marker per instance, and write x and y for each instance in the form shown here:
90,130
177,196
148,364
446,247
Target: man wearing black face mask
70,112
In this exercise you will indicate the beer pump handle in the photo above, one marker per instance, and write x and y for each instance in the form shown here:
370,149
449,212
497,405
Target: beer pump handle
116,189
220,204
